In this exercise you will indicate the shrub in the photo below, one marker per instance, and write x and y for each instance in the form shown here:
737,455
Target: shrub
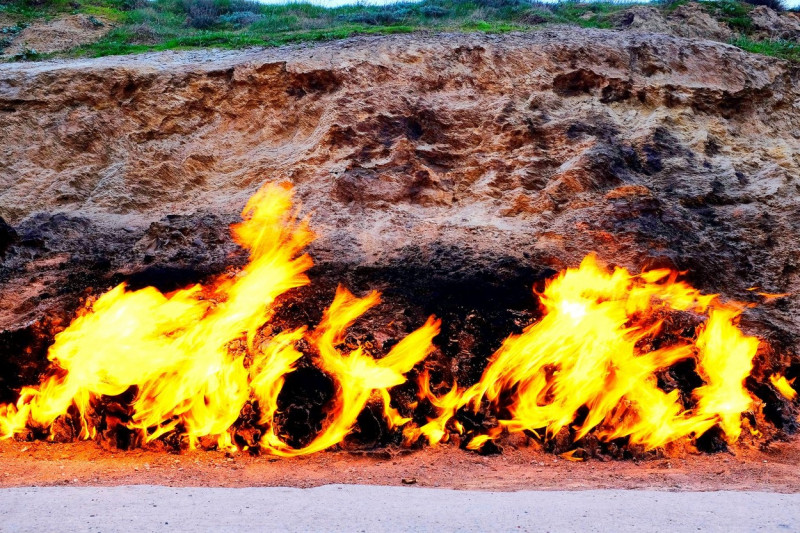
501,3
11,30
130,5
776,5
537,16
204,14
26,54
240,19
240,6
142,34
201,14
94,21
380,17
7,34
434,12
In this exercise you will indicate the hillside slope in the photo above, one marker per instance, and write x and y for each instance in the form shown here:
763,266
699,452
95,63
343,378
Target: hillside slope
480,161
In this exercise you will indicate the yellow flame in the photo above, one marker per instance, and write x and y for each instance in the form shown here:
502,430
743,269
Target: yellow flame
358,374
175,348
784,386
194,357
586,353
434,430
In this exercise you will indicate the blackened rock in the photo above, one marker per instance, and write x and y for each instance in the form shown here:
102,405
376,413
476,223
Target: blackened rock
7,237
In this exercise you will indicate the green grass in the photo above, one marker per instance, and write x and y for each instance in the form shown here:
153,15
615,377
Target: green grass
490,27
731,12
579,13
115,44
141,26
781,49
172,24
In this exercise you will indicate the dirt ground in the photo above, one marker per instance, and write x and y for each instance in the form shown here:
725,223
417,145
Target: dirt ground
524,468
57,35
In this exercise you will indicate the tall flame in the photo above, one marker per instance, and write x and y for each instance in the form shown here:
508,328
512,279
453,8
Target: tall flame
175,348
587,352
194,357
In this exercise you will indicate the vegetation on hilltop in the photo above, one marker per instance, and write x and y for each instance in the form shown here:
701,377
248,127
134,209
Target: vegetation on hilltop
145,25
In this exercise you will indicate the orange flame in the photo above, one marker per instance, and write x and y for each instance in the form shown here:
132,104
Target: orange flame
175,348
358,374
585,352
591,362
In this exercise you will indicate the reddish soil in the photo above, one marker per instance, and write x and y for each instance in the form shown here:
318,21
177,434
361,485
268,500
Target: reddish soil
85,463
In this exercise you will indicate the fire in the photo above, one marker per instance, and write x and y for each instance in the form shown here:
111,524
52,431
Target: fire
784,386
592,350
195,357
176,348
358,374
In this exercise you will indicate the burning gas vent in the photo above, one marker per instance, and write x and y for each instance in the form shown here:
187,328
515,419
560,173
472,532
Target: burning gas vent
206,365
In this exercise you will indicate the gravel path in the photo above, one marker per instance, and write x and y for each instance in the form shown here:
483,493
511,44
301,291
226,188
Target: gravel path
144,508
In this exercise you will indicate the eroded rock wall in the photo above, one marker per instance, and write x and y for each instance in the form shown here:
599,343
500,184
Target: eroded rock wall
444,164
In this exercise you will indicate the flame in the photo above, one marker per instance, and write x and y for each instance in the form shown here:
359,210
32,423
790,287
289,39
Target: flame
784,386
358,374
587,352
195,357
435,430
175,349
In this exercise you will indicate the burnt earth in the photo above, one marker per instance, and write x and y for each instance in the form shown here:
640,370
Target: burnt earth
453,173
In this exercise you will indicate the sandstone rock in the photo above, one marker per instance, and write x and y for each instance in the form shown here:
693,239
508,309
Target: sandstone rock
692,21
772,25
62,33
453,170
642,19
689,20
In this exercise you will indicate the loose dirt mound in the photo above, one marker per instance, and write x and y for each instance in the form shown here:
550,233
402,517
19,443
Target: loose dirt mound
57,35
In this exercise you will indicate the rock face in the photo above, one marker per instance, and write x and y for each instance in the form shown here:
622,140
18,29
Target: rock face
57,35
688,20
772,25
450,164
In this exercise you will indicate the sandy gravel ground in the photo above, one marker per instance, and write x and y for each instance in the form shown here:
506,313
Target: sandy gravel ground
146,508
523,468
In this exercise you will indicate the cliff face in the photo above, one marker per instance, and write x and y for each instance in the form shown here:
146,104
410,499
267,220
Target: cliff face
473,160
